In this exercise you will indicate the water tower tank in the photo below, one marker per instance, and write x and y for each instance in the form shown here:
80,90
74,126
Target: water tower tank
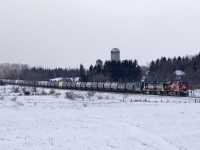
115,54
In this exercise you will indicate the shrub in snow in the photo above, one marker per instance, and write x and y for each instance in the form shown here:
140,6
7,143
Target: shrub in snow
24,89
52,92
57,95
43,92
70,95
26,93
2,98
13,99
137,100
82,97
35,93
20,103
15,89
124,97
107,97
90,94
85,105
99,97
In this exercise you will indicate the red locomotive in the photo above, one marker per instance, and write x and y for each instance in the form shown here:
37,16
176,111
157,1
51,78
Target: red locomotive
177,88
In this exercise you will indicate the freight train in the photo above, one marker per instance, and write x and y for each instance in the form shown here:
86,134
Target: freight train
178,88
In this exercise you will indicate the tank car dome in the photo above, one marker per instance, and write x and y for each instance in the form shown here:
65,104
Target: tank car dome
115,50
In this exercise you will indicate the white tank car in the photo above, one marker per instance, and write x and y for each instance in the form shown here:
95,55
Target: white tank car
114,86
101,85
78,85
107,86
94,85
69,84
73,85
129,87
60,84
121,87
89,85
83,85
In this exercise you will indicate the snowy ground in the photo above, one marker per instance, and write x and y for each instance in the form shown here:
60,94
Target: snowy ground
195,93
103,121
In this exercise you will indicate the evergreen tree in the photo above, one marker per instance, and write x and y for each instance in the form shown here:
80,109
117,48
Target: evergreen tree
82,74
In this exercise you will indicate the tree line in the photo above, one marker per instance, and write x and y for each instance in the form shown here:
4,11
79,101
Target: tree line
125,71
113,71
47,74
164,68
25,72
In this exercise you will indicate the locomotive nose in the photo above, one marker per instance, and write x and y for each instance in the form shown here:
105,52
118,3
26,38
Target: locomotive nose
184,88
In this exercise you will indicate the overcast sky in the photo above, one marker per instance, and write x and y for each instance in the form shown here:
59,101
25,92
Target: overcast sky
65,33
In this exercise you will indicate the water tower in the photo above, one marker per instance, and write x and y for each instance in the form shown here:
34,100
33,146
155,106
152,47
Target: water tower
115,54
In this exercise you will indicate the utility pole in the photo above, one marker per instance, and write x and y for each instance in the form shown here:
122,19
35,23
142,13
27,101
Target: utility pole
18,77
54,73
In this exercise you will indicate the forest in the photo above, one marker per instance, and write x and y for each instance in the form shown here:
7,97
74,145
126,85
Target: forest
164,68
25,72
112,71
161,69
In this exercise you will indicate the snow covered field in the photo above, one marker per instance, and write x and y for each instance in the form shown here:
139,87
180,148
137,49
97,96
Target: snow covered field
104,121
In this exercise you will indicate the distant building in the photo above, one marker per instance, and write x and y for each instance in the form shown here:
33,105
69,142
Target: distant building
115,54
99,76
179,74
99,63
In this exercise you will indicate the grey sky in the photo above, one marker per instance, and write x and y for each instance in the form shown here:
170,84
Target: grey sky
65,33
